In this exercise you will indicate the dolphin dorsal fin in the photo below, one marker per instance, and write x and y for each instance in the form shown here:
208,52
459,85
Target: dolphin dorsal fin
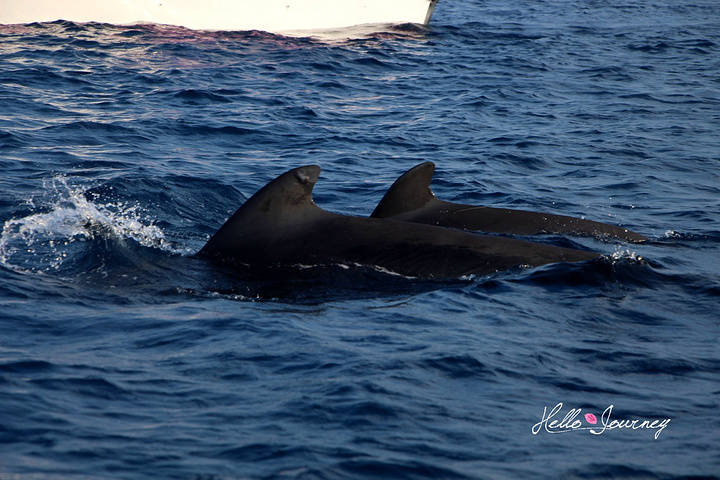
288,193
409,192
284,201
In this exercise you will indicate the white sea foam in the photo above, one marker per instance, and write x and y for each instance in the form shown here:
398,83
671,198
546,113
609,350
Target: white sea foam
66,219
625,254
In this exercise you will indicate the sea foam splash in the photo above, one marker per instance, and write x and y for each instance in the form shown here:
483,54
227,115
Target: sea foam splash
621,254
43,241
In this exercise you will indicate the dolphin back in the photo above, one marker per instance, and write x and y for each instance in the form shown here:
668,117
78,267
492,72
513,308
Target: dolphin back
410,199
281,226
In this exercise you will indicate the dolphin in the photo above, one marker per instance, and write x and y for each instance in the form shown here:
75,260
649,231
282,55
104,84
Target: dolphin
410,199
281,226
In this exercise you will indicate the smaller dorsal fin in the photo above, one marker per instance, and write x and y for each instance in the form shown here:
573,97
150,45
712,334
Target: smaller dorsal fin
409,192
284,201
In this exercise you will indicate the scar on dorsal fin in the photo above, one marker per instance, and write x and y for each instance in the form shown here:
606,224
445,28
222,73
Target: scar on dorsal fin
285,200
409,192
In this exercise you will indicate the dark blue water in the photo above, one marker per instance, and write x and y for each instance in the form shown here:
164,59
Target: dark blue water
122,149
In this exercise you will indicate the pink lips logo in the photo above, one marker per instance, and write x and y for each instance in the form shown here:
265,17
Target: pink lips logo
590,418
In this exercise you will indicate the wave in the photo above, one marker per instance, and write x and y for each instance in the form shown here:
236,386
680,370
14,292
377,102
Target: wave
57,232
623,266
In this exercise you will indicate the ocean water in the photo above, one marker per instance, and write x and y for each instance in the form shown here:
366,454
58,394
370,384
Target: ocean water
122,149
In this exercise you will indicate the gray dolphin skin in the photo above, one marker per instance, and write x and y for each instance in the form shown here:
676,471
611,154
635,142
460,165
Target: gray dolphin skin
281,226
410,199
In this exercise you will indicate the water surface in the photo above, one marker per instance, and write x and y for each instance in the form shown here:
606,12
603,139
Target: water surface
124,148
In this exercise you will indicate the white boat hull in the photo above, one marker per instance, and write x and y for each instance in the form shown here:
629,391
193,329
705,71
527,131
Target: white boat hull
266,15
